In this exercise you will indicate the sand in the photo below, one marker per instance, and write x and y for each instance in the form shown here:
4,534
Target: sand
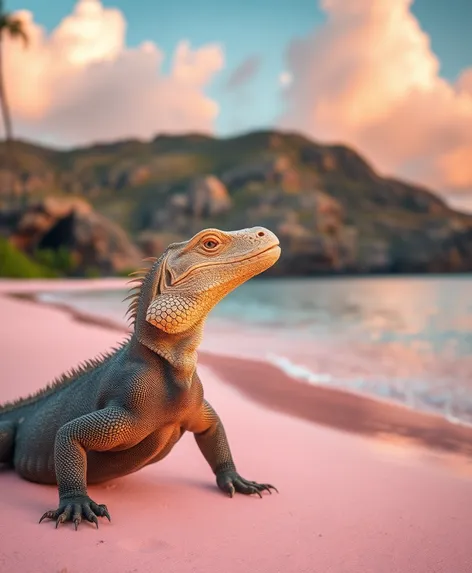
347,503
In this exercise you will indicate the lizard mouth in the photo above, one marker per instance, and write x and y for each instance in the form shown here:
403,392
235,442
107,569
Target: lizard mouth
272,251
272,248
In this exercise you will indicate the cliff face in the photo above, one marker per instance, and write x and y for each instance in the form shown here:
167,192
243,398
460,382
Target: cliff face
332,211
68,235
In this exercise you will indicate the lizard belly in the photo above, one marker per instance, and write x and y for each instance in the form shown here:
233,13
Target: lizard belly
102,466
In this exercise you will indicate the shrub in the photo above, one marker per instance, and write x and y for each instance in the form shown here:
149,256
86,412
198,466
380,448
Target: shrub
15,264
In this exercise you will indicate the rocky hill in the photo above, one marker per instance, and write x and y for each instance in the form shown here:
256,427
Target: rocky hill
332,211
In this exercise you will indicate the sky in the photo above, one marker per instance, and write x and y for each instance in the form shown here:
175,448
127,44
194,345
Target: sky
392,78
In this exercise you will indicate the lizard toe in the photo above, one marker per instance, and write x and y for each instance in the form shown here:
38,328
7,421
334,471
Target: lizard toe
246,488
105,512
65,515
228,487
100,509
265,487
77,515
51,514
90,515
261,486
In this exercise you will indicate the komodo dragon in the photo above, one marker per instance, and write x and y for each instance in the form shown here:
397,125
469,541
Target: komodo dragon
117,413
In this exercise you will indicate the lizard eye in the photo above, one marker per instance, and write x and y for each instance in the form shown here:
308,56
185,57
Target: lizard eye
210,244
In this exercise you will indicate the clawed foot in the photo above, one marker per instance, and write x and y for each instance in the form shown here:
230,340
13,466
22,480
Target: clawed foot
75,508
231,482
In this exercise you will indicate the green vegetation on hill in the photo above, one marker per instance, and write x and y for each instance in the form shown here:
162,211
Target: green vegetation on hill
15,264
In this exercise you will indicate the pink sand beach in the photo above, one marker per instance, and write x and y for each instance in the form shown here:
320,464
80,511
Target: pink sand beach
351,499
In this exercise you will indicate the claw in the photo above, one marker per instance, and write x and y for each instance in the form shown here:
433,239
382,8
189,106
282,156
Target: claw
48,514
95,520
247,487
59,520
266,487
76,523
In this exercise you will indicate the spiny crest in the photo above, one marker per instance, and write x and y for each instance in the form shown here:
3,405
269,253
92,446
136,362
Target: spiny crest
135,290
64,379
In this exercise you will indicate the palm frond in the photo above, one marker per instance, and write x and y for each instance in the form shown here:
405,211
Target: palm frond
11,25
15,28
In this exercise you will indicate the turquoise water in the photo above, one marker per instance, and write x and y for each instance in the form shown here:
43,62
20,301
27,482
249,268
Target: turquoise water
407,339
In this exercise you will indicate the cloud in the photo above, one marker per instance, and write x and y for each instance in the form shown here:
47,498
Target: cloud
243,73
81,83
368,77
464,83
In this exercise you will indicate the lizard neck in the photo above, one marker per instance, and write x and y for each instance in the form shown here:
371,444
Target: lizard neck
179,350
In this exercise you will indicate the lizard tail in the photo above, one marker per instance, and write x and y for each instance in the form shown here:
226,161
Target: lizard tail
7,441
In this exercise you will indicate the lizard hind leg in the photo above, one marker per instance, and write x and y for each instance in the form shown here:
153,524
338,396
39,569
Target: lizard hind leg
7,441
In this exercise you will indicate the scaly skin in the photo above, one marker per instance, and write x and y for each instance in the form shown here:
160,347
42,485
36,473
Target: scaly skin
121,412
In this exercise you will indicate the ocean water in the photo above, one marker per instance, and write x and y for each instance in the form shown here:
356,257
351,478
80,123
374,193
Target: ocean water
407,339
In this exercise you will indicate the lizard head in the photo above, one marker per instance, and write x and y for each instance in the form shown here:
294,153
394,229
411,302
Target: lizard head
195,275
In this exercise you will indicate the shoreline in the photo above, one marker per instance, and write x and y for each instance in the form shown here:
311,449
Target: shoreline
337,408
334,408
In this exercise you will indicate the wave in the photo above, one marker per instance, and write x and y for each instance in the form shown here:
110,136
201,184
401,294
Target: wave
442,405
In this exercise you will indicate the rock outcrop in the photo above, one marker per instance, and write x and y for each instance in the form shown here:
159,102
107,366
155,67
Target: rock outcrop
207,196
94,243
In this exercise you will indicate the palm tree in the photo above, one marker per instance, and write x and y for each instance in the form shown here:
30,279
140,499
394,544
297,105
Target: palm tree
14,28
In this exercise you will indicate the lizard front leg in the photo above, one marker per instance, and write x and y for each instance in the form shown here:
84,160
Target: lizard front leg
211,438
98,431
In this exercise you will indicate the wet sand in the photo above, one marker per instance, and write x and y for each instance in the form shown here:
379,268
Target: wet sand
339,409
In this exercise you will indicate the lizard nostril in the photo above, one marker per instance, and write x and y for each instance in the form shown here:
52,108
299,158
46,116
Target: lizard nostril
260,234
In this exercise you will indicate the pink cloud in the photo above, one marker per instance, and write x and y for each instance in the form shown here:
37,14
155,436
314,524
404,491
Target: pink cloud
369,78
81,83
